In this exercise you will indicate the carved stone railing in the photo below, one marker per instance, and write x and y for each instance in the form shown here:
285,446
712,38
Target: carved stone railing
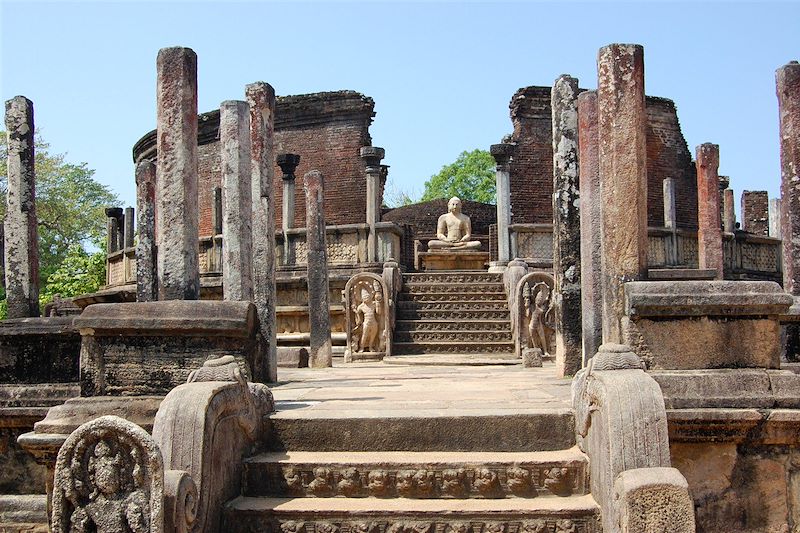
533,243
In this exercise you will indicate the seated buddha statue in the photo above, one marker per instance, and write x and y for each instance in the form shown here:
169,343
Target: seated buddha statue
454,231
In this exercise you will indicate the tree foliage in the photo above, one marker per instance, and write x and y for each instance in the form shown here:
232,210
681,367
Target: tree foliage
470,177
79,273
69,208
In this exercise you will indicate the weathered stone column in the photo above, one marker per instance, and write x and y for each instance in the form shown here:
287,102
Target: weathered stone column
372,156
321,352
787,81
728,211
775,217
288,164
176,196
502,156
21,244
709,226
669,203
591,220
261,97
623,177
129,227
237,207
216,211
114,236
146,289
566,226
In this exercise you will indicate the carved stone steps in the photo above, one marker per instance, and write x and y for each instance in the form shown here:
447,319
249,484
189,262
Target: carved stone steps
452,336
455,287
461,359
469,313
417,474
454,305
454,346
575,514
459,277
452,325
451,296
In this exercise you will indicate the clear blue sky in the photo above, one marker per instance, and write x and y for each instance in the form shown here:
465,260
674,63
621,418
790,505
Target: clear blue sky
441,74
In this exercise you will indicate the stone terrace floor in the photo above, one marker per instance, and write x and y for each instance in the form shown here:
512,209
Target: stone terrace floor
379,390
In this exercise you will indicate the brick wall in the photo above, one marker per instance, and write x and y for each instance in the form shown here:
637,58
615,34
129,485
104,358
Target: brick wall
325,129
422,217
755,212
532,165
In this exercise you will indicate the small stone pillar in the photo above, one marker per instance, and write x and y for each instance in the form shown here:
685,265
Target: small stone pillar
288,164
669,204
146,289
237,207
261,97
216,211
566,226
129,227
372,156
176,196
114,224
709,226
20,230
755,212
320,352
775,217
728,211
623,176
591,219
502,156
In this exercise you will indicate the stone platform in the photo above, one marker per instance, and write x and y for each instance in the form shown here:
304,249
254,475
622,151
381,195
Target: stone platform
445,260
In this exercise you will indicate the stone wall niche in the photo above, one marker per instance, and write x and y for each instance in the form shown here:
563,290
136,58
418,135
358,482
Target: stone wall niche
367,304
685,325
150,348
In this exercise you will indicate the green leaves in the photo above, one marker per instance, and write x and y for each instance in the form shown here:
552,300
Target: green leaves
78,273
470,177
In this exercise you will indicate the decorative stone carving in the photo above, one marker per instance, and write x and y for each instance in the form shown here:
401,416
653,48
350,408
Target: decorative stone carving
558,481
109,477
534,314
378,483
321,484
518,481
391,524
534,526
367,309
487,483
454,230
454,482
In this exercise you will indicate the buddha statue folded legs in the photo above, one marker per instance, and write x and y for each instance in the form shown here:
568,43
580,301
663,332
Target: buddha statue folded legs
454,231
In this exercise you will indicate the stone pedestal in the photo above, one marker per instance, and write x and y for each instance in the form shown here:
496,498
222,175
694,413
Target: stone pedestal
623,176
709,231
443,260
261,97
502,155
176,196
21,235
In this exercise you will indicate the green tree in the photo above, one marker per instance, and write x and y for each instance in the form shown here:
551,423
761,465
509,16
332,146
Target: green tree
79,273
69,207
470,177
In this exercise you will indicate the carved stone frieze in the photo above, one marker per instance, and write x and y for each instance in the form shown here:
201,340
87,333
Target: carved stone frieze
442,278
438,314
452,306
463,336
454,287
548,524
457,326
367,307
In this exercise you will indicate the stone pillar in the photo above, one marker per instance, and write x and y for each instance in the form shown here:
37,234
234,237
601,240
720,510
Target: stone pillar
216,211
288,164
130,224
591,220
114,237
320,352
566,226
787,81
728,211
775,218
502,156
237,206
709,226
372,156
261,97
176,196
146,289
623,177
20,230
755,212
669,203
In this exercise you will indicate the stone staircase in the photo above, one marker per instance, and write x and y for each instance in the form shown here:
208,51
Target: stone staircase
417,474
454,313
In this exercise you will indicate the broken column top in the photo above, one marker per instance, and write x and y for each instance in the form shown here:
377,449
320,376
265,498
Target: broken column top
260,89
502,152
313,181
708,154
288,164
18,111
372,153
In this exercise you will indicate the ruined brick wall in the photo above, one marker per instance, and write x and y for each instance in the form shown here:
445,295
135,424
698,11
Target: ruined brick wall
532,165
422,217
755,212
325,129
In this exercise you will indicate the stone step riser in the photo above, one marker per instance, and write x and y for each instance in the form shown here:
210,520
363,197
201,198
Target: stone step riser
424,481
452,297
452,306
452,336
403,348
452,314
421,288
454,325
461,278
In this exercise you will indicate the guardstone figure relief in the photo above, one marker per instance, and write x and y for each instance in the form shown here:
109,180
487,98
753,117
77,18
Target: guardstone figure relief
454,230
109,478
367,309
536,324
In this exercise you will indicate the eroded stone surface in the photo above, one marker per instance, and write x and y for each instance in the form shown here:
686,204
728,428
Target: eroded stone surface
146,278
709,233
653,499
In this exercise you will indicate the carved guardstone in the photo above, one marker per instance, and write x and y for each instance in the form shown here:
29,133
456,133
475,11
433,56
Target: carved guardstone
109,478
367,306
534,316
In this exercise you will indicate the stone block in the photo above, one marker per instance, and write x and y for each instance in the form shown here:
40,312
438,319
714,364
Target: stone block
453,260
531,357
653,499
150,348
39,350
292,357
